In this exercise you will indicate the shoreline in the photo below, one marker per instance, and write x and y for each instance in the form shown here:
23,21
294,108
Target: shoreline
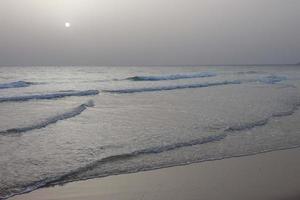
268,175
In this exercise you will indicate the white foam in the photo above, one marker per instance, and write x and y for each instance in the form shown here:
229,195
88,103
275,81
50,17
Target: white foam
172,76
50,95
174,87
17,84
51,120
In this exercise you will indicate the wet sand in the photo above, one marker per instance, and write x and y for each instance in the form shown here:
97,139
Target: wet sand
268,176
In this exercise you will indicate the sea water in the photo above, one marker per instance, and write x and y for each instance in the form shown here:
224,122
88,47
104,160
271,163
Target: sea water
61,124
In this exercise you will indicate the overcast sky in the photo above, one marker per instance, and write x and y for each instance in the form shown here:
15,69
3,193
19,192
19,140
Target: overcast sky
149,32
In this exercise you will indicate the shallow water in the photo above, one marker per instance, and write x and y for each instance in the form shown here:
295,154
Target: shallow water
60,124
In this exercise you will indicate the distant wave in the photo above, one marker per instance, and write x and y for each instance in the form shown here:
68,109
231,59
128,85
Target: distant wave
272,79
266,80
172,76
49,96
175,87
51,120
250,72
17,84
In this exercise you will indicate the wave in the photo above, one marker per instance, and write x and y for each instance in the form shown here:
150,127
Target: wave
266,80
172,76
250,72
57,95
153,150
248,126
175,87
272,79
17,84
262,122
81,173
74,175
52,120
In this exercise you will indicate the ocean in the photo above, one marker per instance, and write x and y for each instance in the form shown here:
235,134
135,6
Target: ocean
63,124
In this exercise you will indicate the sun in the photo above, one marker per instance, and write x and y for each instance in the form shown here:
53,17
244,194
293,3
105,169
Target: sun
67,24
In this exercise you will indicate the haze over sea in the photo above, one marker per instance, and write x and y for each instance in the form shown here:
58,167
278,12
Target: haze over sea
62,124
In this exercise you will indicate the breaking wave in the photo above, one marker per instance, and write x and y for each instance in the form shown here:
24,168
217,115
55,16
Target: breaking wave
51,120
263,121
250,72
83,173
266,80
272,79
75,174
17,84
57,95
172,76
175,87
153,150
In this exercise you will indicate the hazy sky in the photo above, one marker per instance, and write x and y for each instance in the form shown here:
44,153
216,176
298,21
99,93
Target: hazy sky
149,32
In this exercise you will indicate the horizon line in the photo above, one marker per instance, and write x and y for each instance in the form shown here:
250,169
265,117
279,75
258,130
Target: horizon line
156,65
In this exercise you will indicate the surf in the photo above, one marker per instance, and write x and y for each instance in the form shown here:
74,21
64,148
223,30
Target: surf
51,120
17,84
172,76
174,87
48,96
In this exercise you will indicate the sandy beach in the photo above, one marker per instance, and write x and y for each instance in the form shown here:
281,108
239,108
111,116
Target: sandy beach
267,176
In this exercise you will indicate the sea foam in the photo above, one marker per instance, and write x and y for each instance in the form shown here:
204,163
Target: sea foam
17,84
172,76
173,87
49,95
51,120
272,79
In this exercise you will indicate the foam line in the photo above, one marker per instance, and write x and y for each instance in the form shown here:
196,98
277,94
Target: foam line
175,87
262,122
172,76
17,84
51,120
49,96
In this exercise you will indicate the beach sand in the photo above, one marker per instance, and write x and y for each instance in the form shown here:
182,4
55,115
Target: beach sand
267,176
